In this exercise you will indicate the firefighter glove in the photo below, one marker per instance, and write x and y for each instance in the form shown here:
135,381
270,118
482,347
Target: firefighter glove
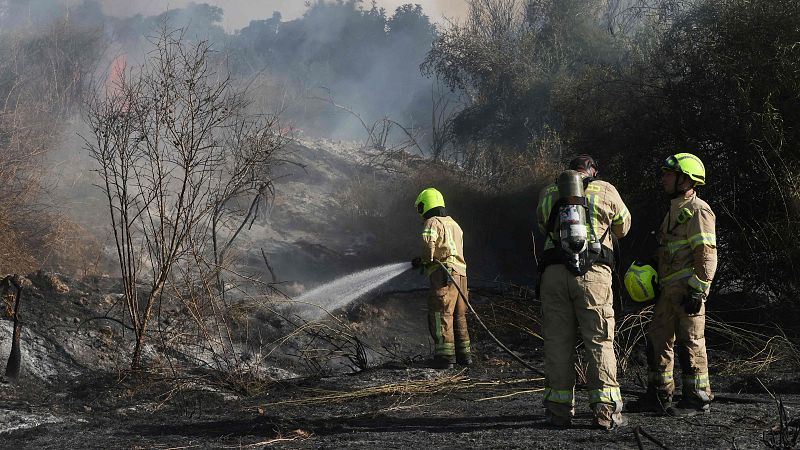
693,302
416,263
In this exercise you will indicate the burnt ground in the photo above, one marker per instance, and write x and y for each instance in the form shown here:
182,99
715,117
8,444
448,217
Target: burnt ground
79,396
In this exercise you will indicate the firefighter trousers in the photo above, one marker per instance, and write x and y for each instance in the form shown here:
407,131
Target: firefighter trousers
672,330
573,304
447,316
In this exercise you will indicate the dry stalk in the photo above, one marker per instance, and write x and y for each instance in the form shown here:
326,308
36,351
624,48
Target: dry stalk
760,350
497,397
295,435
764,350
630,334
408,390
414,387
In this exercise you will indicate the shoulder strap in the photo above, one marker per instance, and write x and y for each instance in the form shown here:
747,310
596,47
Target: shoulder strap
603,237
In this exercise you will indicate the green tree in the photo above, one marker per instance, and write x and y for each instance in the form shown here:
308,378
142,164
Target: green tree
723,82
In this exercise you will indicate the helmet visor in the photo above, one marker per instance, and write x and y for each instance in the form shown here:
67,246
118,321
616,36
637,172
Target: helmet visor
671,163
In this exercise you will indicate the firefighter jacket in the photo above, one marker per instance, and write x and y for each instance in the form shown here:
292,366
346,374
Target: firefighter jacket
606,209
687,244
444,241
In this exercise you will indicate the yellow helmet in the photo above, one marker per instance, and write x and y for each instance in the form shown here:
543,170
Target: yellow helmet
641,282
689,164
428,199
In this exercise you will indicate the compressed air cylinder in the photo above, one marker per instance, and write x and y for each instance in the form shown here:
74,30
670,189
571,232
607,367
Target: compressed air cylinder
572,214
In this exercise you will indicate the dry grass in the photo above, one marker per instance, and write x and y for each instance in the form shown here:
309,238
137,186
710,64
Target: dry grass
294,435
514,312
416,388
630,335
754,351
759,351
412,387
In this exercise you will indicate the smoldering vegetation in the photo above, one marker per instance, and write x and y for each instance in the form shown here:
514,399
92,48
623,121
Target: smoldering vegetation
176,132
223,173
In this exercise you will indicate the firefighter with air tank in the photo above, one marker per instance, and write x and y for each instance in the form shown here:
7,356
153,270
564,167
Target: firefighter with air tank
577,216
687,261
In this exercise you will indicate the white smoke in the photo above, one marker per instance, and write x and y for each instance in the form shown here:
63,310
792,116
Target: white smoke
239,13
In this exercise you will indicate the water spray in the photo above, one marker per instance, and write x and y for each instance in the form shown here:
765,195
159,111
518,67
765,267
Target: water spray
342,291
503,346
349,288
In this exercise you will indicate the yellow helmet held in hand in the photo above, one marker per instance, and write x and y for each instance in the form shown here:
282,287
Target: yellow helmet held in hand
428,199
688,164
641,282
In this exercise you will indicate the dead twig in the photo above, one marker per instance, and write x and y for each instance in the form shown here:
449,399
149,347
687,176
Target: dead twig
785,434
650,437
413,387
638,438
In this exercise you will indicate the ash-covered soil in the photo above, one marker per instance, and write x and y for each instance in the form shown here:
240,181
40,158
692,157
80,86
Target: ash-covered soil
75,393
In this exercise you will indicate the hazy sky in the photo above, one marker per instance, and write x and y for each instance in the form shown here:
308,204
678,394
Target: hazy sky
238,13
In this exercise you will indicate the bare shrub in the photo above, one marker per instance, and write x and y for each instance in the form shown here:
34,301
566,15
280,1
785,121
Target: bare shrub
184,168
44,73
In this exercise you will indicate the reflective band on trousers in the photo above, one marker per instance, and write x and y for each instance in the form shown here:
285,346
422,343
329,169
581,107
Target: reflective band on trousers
565,397
679,275
698,381
661,378
605,395
445,349
462,347
437,330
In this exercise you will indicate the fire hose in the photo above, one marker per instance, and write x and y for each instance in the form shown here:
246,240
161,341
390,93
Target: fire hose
726,398
478,317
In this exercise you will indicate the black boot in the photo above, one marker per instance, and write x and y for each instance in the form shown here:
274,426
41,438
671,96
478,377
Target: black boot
464,360
652,401
441,363
689,406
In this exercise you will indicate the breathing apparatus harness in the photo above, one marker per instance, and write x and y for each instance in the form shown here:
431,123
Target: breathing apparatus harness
576,249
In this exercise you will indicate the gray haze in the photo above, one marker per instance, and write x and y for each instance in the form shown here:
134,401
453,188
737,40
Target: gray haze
238,13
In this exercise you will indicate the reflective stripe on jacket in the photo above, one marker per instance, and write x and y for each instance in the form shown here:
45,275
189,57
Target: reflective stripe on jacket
688,244
443,240
606,208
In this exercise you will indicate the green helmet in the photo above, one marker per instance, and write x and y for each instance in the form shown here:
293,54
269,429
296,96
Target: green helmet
428,199
688,164
641,282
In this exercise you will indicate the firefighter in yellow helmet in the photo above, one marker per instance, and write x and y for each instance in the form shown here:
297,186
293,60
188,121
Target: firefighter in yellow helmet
577,215
687,261
443,240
